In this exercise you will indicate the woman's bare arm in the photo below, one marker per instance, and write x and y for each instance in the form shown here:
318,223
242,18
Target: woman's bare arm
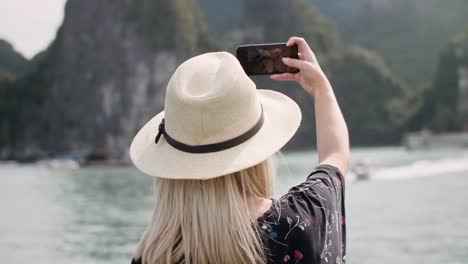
332,133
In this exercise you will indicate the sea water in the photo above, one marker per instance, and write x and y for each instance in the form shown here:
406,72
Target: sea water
413,209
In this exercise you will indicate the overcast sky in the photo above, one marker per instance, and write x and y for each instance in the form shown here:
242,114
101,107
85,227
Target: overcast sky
30,25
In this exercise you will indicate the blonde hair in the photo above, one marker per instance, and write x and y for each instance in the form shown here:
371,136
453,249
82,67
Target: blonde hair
207,221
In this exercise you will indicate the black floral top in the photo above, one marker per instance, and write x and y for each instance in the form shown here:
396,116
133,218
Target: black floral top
307,224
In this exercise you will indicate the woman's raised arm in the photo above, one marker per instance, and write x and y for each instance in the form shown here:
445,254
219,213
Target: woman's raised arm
332,133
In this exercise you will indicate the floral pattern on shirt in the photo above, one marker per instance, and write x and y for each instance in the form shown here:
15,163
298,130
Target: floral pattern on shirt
307,225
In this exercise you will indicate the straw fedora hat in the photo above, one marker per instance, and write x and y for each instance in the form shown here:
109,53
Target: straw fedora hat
214,122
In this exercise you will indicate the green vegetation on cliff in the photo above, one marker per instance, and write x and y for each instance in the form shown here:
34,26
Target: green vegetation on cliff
222,15
408,34
11,61
8,109
163,23
373,100
277,20
444,99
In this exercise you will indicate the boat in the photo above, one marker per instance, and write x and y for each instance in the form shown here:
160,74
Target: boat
428,140
362,170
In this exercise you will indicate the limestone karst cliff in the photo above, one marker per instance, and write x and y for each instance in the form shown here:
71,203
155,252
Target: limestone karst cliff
105,74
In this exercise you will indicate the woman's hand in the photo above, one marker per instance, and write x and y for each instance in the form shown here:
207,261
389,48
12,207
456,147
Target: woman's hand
310,75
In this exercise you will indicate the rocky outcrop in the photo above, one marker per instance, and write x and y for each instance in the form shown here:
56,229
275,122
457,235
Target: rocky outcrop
105,74
446,99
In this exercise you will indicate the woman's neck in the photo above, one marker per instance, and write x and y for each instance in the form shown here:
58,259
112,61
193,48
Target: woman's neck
258,206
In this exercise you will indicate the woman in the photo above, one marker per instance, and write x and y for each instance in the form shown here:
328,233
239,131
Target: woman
210,151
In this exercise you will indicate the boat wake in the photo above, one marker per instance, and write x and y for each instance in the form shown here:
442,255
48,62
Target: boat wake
421,168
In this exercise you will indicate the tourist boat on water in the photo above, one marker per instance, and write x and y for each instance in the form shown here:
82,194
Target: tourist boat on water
428,140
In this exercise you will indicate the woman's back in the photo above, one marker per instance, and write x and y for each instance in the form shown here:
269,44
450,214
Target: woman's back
306,225
209,152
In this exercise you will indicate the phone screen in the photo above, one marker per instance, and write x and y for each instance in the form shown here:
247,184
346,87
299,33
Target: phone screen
266,58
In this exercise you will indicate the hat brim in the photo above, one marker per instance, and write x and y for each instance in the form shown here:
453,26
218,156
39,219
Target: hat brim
282,117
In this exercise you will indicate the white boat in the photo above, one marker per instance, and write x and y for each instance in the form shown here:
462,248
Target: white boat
428,140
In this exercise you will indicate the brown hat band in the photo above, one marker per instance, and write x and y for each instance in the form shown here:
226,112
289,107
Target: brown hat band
209,147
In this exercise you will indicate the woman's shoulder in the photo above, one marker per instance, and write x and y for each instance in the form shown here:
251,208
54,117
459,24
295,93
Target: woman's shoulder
323,187
297,224
289,233
323,174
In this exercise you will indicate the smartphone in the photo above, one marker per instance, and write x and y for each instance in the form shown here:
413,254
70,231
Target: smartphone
262,59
